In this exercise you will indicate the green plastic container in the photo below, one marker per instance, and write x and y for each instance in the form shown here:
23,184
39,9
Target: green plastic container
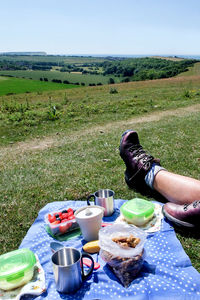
16,268
137,211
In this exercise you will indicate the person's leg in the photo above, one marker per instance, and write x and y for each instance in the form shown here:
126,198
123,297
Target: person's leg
176,188
143,169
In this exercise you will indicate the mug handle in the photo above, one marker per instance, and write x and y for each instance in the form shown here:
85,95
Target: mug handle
89,272
88,198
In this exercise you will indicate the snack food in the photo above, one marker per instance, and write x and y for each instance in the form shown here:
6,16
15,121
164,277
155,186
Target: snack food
126,242
60,222
123,267
91,247
122,247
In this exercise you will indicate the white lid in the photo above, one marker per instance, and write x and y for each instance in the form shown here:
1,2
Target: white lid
89,212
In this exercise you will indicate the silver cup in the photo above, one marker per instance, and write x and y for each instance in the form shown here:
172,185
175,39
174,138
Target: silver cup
104,198
68,269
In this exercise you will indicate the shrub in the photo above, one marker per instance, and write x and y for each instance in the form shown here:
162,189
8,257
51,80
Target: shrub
186,94
56,80
113,91
125,79
15,117
52,114
111,81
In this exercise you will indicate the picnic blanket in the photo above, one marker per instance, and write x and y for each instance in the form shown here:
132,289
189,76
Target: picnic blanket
167,272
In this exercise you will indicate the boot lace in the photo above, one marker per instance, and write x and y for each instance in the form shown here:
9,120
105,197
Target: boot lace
195,204
139,154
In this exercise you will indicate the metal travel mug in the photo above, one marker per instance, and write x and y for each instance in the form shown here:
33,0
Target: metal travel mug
68,269
104,198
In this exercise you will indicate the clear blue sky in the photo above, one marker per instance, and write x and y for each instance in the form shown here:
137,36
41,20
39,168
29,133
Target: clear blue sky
101,27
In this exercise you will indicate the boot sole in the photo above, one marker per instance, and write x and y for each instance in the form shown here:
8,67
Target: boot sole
177,221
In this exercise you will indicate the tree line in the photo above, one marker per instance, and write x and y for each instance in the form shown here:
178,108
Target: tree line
146,68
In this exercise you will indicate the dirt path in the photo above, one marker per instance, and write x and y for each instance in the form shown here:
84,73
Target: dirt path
58,140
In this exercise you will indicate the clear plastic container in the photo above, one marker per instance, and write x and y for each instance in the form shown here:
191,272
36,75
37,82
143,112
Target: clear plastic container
16,268
125,261
137,211
61,228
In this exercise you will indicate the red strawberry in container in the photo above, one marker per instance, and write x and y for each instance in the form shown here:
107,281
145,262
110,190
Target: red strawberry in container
61,222
63,226
51,218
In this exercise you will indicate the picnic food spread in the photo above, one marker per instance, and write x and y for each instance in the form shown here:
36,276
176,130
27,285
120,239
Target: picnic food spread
121,246
166,271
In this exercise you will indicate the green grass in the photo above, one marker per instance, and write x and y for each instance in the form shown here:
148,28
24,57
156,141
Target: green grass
71,77
26,116
10,85
47,157
193,71
53,58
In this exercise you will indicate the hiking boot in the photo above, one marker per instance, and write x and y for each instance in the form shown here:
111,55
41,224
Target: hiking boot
187,215
137,160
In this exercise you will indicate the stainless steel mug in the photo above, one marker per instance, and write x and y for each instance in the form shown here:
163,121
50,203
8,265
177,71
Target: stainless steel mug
68,269
104,198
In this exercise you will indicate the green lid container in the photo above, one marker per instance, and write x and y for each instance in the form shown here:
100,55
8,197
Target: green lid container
137,211
16,268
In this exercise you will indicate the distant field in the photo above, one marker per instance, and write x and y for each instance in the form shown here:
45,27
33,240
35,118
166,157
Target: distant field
71,77
192,71
53,58
169,58
10,85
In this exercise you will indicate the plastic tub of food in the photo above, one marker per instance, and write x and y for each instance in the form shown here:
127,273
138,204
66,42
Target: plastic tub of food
137,211
16,268
61,222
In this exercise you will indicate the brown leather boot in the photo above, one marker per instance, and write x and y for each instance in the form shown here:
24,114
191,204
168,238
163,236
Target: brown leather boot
187,215
138,162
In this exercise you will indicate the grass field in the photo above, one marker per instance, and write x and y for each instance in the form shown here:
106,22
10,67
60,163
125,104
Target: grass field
71,77
52,58
47,157
193,71
10,85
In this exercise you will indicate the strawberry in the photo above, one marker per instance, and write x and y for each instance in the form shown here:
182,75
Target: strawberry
64,226
70,210
71,217
51,218
64,216
64,220
70,213
56,222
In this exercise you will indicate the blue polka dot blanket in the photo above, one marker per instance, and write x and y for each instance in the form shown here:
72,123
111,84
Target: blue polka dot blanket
167,272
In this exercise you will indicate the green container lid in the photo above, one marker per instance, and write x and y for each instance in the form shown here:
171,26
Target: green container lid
14,264
137,208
